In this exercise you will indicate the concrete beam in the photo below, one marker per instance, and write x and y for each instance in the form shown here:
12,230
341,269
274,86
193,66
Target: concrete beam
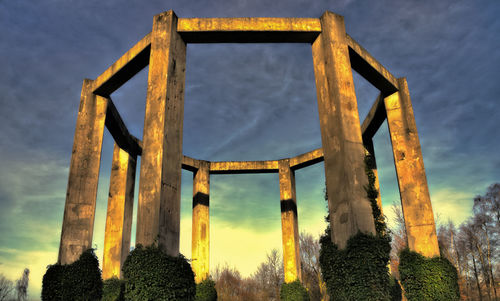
79,209
349,208
413,189
368,67
119,214
124,68
191,164
289,222
307,159
242,167
374,119
249,30
201,223
158,218
118,129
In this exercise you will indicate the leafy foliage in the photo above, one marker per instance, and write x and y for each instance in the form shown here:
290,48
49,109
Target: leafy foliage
428,278
80,280
205,290
359,272
113,289
293,291
153,275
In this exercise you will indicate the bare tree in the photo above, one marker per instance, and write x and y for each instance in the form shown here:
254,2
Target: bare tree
6,288
310,267
399,240
269,275
22,286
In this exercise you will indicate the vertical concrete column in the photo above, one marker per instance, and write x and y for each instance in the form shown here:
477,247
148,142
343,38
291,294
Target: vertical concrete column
415,199
289,222
79,210
119,215
370,151
200,243
350,209
158,216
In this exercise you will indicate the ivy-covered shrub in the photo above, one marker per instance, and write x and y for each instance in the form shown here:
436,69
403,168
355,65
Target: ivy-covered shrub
205,291
80,280
113,289
396,292
427,278
151,274
293,291
359,272
52,282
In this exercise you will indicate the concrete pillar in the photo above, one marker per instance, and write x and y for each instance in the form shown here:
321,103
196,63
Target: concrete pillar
200,244
415,199
119,215
350,209
79,210
289,222
369,150
158,216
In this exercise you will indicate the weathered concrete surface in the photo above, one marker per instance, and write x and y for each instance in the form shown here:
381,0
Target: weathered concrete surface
116,127
79,210
238,167
415,199
249,30
200,245
119,214
133,61
374,119
190,164
350,210
289,222
307,159
158,218
368,67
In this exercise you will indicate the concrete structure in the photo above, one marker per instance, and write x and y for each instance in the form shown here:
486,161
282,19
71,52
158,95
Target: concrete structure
345,142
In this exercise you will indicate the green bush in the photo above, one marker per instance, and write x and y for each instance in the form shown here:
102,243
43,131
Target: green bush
113,289
396,292
52,282
151,274
427,278
80,280
205,291
358,272
293,291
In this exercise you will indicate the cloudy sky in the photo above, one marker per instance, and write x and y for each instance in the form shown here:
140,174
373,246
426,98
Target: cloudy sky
242,102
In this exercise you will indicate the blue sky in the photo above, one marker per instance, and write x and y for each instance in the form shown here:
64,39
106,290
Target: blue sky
242,102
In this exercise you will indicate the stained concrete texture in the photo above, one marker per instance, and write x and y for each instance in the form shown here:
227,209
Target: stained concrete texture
289,222
350,210
119,213
158,216
79,210
415,198
200,244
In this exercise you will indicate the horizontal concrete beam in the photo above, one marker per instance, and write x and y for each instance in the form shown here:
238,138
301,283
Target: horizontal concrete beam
241,167
190,164
307,159
368,67
249,30
374,119
124,68
116,127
